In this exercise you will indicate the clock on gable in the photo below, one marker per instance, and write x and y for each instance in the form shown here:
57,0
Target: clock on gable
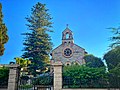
68,51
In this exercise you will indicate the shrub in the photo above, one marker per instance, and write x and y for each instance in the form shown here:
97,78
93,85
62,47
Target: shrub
4,74
83,76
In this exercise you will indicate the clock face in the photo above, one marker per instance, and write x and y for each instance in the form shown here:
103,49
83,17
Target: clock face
67,52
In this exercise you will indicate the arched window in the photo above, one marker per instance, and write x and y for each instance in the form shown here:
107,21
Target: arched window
67,36
65,43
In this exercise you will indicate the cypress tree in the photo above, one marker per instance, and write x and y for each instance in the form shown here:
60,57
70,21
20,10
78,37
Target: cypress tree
3,33
38,42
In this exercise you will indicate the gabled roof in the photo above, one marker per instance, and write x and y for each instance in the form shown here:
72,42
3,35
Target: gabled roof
67,29
57,47
79,46
82,48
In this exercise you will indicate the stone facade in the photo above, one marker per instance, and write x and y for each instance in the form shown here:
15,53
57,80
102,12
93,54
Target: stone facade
68,52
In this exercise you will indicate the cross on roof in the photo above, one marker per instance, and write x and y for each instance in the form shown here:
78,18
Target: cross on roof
67,25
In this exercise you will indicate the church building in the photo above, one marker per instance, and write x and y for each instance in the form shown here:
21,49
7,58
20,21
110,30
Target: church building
68,52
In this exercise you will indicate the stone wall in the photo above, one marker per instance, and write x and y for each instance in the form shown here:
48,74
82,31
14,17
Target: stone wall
3,88
84,89
91,89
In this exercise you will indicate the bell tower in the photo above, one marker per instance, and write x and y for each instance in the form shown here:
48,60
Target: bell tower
68,52
67,36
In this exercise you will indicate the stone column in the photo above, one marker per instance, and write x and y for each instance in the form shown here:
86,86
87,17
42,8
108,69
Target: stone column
57,66
13,77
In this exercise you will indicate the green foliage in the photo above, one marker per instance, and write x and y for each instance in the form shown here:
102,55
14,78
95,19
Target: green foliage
4,74
114,77
22,62
116,38
83,76
25,86
24,65
23,79
38,42
3,33
92,61
112,57
116,70
44,80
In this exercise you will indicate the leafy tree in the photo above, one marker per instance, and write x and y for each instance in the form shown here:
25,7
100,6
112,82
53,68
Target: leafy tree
22,62
83,76
4,74
38,42
3,33
112,57
114,77
92,61
116,38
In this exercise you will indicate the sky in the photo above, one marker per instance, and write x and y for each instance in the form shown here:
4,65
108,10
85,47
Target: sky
88,19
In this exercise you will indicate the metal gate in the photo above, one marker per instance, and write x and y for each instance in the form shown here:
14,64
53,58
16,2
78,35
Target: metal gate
43,82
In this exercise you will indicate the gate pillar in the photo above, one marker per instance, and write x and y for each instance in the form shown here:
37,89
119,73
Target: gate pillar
57,66
13,77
